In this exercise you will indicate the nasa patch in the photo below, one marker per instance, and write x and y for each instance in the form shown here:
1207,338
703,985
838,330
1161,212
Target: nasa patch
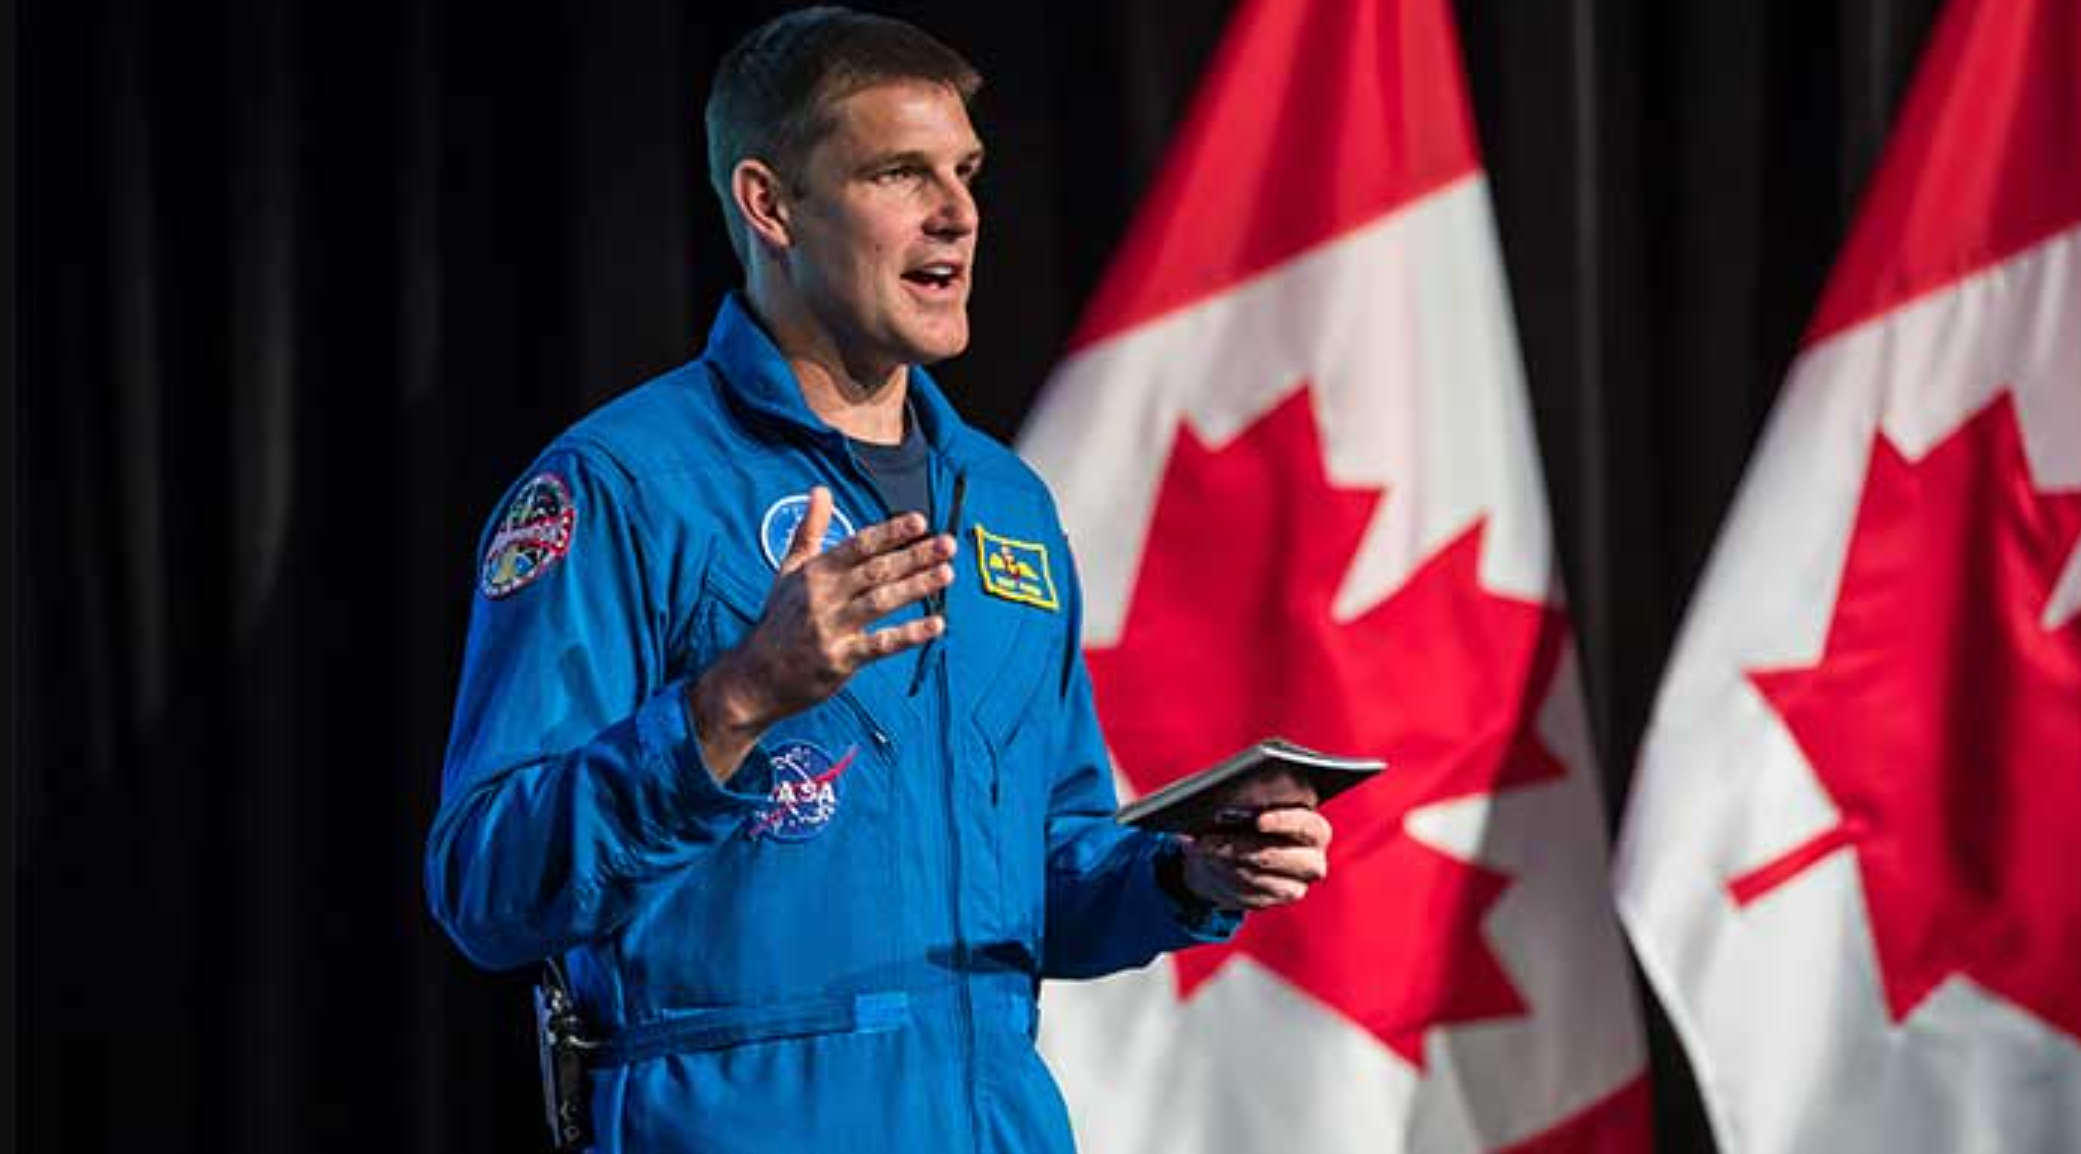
804,798
777,528
534,534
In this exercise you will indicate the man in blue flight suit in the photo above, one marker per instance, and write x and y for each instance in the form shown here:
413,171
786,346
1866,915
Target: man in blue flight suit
804,795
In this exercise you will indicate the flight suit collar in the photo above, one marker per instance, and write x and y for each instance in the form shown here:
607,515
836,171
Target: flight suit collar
757,377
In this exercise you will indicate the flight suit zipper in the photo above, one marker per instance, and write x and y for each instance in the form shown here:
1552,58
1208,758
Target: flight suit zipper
939,654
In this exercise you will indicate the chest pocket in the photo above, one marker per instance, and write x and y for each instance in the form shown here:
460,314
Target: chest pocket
1005,649
799,900
1004,664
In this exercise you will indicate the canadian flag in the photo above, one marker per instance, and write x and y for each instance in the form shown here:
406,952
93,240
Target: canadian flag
1291,445
1852,856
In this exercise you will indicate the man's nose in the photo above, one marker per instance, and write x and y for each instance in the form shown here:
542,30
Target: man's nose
955,214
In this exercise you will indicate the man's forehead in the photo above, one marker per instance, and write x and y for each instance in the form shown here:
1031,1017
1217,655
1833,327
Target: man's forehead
898,116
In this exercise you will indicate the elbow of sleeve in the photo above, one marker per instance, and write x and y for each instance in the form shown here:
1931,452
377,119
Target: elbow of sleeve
486,956
489,943
457,903
537,855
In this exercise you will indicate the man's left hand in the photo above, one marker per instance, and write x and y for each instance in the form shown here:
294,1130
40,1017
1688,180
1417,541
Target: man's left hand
1257,869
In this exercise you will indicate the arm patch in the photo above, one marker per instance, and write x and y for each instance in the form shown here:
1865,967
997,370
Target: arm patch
532,536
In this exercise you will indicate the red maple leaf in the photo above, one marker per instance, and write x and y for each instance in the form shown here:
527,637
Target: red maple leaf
1230,638
1944,718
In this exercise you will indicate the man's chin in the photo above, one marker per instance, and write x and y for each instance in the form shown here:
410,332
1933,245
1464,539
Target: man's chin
931,347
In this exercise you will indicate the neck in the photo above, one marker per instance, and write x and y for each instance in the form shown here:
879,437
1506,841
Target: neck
865,410
860,398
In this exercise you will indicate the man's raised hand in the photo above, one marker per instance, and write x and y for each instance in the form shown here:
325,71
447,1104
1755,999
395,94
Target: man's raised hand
816,630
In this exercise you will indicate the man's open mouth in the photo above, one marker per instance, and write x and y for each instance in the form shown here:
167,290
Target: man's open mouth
938,276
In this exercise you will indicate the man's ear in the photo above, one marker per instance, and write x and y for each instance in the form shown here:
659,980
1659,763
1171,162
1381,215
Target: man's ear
761,198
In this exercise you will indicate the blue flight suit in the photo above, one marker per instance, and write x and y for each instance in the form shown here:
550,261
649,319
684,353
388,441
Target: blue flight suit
841,948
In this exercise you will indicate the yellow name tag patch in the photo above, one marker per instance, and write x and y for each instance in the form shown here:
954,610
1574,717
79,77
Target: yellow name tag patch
1015,570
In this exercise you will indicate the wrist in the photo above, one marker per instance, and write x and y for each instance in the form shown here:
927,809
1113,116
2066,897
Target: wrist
726,696
1174,879
728,717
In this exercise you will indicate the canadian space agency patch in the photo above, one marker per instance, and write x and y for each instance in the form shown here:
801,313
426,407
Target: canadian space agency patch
534,534
1015,570
777,527
804,797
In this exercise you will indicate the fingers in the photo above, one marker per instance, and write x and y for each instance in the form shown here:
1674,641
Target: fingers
1236,885
879,643
1271,859
879,601
894,566
1294,824
808,540
877,539
884,568
868,543
1269,893
1271,866
1292,864
1253,872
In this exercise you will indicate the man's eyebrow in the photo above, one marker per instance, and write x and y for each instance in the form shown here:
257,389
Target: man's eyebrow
891,159
883,160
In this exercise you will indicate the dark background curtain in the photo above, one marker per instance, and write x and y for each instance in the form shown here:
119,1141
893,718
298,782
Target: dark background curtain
305,285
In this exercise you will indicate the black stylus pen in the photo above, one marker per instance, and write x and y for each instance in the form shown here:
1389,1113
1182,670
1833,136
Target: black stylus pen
939,602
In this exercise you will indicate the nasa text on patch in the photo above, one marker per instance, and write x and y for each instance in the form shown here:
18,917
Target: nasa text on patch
803,800
533,535
1015,570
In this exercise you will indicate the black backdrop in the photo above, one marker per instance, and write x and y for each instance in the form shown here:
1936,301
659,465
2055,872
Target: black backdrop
306,284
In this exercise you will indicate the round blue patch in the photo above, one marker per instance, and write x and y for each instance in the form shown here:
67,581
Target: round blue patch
804,796
778,526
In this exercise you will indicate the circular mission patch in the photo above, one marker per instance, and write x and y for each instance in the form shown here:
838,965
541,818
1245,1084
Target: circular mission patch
805,794
533,535
777,527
